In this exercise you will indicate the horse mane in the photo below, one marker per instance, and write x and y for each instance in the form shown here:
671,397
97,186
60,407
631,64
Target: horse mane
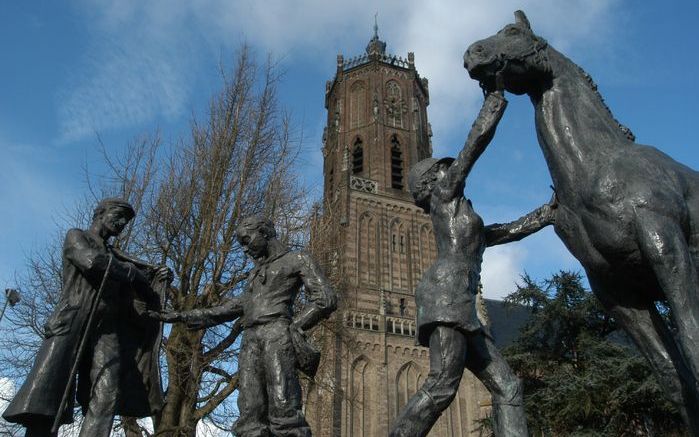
625,130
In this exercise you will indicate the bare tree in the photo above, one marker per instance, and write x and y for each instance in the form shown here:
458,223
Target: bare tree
239,160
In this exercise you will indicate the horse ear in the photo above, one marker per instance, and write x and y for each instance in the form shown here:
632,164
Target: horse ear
521,19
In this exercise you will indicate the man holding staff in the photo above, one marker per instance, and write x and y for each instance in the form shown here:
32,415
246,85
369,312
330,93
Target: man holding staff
97,331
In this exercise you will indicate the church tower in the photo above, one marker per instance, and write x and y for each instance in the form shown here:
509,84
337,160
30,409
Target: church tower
375,244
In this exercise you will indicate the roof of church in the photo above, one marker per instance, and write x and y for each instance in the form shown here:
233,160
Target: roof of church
506,321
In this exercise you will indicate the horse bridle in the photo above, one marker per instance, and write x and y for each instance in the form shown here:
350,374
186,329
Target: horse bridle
539,45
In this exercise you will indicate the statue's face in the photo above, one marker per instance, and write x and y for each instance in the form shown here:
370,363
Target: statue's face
423,191
114,220
254,243
509,59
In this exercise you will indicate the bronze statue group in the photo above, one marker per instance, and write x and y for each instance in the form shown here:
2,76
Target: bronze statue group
626,211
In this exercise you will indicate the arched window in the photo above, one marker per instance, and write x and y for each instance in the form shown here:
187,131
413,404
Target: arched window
396,164
367,250
428,250
394,104
362,401
357,104
408,381
399,255
358,157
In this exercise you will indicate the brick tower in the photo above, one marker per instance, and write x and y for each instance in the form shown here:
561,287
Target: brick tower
375,244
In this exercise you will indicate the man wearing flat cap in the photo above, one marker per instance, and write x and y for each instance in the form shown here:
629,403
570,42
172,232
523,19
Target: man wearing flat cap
117,369
274,345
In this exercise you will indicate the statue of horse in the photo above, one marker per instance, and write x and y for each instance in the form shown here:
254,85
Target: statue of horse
628,212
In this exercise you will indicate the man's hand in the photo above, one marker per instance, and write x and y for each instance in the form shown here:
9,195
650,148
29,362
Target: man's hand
553,203
295,327
164,274
192,322
165,316
551,207
494,100
195,324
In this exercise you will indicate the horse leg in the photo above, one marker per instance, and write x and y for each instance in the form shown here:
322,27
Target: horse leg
654,340
665,249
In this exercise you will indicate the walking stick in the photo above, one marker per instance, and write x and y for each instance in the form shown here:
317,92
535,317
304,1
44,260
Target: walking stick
81,348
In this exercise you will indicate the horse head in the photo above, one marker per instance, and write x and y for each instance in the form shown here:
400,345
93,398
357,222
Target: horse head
513,59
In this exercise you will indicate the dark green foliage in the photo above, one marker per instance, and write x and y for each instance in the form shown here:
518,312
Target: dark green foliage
581,375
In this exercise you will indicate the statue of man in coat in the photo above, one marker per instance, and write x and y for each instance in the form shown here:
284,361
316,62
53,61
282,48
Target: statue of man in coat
117,366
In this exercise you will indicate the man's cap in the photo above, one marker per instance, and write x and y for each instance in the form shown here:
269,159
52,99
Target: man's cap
116,202
421,168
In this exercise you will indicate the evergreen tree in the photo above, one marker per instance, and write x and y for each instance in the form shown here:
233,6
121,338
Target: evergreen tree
582,376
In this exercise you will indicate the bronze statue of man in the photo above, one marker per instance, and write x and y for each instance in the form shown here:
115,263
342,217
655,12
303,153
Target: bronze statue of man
115,355
447,322
273,344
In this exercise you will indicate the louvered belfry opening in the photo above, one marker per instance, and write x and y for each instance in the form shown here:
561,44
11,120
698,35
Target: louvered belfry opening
358,157
396,164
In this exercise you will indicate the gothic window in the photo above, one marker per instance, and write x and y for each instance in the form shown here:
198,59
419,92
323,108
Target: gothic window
362,399
395,106
402,306
357,104
357,157
428,250
408,380
396,164
399,256
367,250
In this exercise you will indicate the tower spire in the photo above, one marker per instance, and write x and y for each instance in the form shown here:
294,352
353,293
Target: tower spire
376,26
376,46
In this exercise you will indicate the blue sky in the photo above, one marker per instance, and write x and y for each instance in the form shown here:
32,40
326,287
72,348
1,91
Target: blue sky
76,69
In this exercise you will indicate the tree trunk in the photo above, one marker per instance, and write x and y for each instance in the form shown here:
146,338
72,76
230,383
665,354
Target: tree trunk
184,374
131,427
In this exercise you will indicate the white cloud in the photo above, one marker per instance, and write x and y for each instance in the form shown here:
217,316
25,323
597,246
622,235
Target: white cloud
206,429
144,55
7,391
502,267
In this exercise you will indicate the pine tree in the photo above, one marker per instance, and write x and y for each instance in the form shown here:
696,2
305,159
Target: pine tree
581,375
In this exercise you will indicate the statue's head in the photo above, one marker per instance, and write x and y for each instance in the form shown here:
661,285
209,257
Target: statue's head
513,59
254,234
112,215
422,178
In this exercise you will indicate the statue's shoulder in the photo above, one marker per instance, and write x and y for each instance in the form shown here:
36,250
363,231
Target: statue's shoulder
73,235
297,257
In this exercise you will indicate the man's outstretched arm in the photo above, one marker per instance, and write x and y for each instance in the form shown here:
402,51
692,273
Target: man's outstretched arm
501,233
480,135
201,318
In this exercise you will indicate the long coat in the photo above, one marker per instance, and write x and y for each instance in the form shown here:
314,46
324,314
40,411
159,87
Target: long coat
85,260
